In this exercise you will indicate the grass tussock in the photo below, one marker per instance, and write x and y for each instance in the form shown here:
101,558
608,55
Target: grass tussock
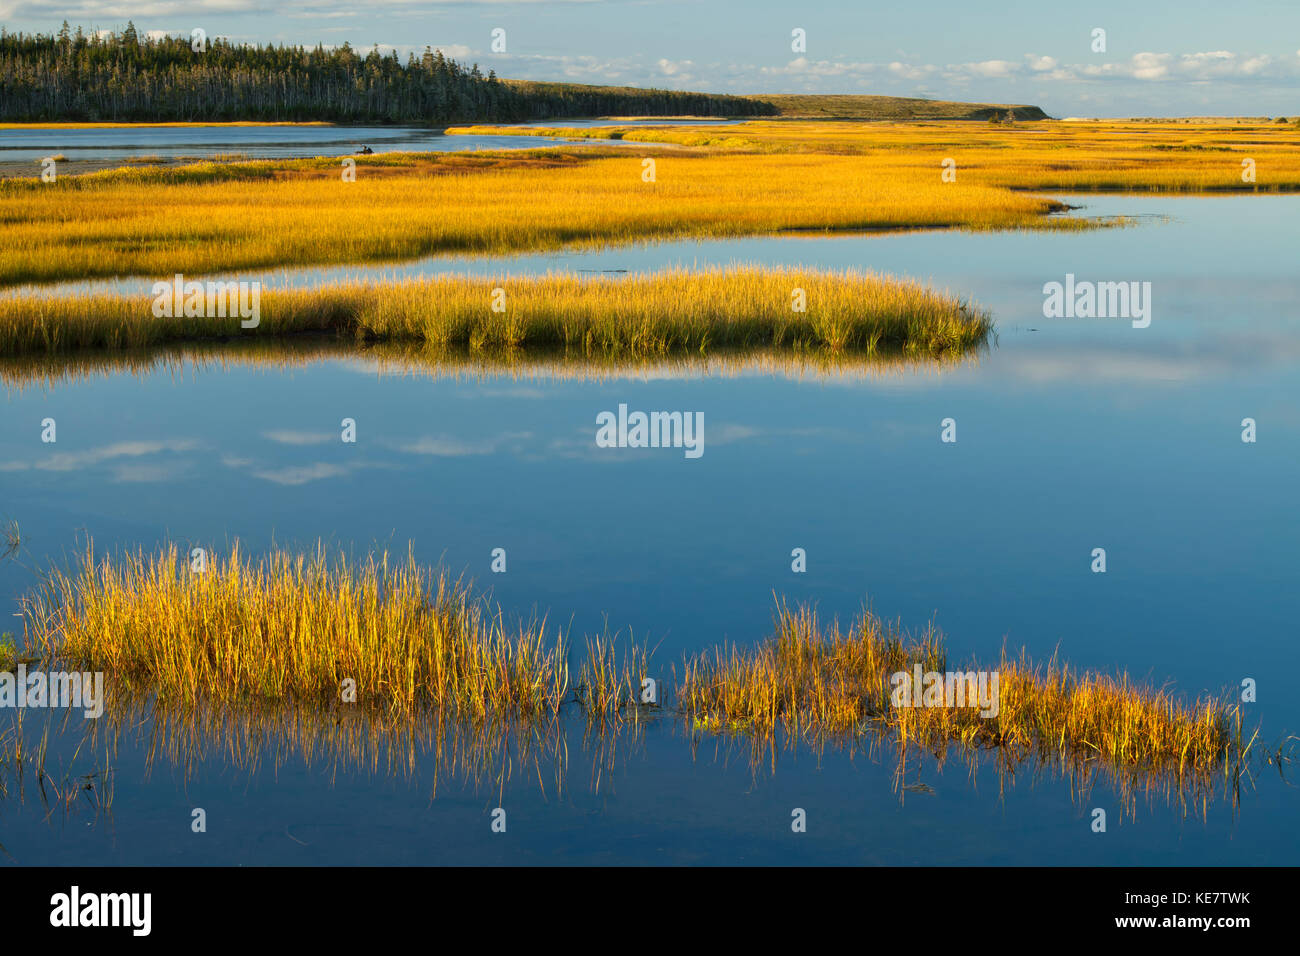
811,680
645,314
294,627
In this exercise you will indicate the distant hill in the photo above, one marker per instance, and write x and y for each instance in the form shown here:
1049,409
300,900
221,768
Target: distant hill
853,106
575,100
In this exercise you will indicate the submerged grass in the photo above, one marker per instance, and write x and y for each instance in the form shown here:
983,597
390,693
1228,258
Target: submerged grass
811,680
644,314
292,628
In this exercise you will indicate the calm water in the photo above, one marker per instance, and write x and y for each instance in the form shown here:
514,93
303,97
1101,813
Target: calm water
1072,435
265,142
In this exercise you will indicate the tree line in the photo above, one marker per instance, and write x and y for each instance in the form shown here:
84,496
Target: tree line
124,77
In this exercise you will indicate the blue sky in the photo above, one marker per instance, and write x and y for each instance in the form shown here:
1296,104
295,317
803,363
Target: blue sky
1161,58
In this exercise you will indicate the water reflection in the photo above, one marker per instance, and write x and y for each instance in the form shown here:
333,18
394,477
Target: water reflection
68,765
406,360
1074,434
267,142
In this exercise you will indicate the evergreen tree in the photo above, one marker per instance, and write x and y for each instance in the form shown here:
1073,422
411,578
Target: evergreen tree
123,78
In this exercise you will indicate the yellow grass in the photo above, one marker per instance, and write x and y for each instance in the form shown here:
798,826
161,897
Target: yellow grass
651,314
295,628
300,628
815,681
757,177
1161,156
212,218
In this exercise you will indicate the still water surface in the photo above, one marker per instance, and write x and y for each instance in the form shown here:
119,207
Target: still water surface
270,142
1072,435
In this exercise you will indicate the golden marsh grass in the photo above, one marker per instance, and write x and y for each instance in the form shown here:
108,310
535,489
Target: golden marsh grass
754,178
814,680
1160,156
296,628
212,218
648,314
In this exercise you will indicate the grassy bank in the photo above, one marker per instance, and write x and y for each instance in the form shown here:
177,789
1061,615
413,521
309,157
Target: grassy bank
298,628
754,178
650,314
896,108
211,218
1082,156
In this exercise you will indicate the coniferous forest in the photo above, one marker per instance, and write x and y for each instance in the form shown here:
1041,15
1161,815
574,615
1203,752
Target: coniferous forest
120,77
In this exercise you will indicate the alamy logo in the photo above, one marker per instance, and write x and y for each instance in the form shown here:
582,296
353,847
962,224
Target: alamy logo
57,690
1098,300
651,430
208,300
923,688
102,909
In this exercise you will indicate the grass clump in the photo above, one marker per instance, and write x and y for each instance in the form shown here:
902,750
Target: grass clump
294,628
816,681
300,628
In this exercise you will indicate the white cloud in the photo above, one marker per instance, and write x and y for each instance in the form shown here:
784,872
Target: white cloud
286,437
77,460
148,473
908,71
453,51
993,68
301,474
1150,66
445,446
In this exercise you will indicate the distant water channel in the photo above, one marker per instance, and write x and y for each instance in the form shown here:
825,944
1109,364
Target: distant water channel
267,142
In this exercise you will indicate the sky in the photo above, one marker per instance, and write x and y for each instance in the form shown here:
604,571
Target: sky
1160,58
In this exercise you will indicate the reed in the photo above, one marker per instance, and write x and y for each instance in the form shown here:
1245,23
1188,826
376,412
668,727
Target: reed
754,178
222,217
646,314
297,628
815,680
300,628
1137,156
